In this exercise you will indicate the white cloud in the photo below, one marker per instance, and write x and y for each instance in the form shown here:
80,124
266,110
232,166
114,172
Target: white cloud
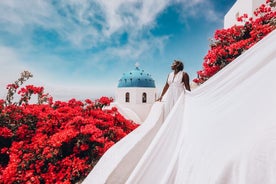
132,14
77,21
82,24
135,50
199,8
24,13
12,66
86,23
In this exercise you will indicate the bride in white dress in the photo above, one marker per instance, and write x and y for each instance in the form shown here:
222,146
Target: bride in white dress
177,82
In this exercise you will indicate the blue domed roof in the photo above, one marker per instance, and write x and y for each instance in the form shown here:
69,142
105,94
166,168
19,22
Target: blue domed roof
136,78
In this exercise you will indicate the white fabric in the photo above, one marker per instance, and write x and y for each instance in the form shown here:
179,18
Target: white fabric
126,112
227,134
176,88
223,132
118,162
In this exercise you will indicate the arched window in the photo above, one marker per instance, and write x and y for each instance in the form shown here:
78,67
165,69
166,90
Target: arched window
127,96
144,98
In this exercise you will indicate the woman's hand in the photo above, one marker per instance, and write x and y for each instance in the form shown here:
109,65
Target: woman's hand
159,99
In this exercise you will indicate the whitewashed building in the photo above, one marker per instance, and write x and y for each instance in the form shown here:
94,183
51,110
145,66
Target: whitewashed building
135,94
238,9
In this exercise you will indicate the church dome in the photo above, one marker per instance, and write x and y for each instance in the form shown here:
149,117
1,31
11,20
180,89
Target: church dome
136,78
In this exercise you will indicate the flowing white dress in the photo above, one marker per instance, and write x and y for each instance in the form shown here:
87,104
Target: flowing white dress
223,132
176,88
227,133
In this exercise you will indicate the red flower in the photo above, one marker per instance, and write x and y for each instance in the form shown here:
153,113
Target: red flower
5,132
229,43
84,147
57,142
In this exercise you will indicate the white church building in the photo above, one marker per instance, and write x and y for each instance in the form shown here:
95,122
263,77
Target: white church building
135,94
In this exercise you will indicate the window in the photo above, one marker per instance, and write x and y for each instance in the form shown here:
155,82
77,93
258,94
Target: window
127,96
144,98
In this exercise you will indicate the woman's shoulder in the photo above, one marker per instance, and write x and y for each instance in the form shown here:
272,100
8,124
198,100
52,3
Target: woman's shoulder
185,73
185,76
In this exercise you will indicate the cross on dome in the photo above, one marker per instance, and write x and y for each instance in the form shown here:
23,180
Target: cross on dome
137,65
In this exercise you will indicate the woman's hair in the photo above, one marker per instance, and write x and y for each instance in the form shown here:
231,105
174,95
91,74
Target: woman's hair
179,65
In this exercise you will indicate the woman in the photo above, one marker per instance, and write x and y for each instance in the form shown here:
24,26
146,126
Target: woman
177,82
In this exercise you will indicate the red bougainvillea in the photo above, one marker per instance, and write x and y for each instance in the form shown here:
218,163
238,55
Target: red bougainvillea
229,43
54,141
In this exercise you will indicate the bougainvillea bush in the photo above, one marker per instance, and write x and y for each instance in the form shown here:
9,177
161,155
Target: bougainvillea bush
230,43
54,141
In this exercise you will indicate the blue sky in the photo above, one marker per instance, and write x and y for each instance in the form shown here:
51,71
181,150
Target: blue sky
80,48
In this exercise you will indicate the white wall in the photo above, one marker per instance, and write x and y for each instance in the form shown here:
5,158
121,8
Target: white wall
136,105
141,110
239,8
135,95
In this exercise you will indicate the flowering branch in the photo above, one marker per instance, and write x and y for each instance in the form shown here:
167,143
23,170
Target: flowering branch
230,43
25,92
12,88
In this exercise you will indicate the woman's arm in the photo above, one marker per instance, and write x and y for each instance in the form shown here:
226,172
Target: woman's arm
165,88
186,81
164,91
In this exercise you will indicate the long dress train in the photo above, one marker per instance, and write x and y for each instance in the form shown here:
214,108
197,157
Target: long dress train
223,132
226,133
